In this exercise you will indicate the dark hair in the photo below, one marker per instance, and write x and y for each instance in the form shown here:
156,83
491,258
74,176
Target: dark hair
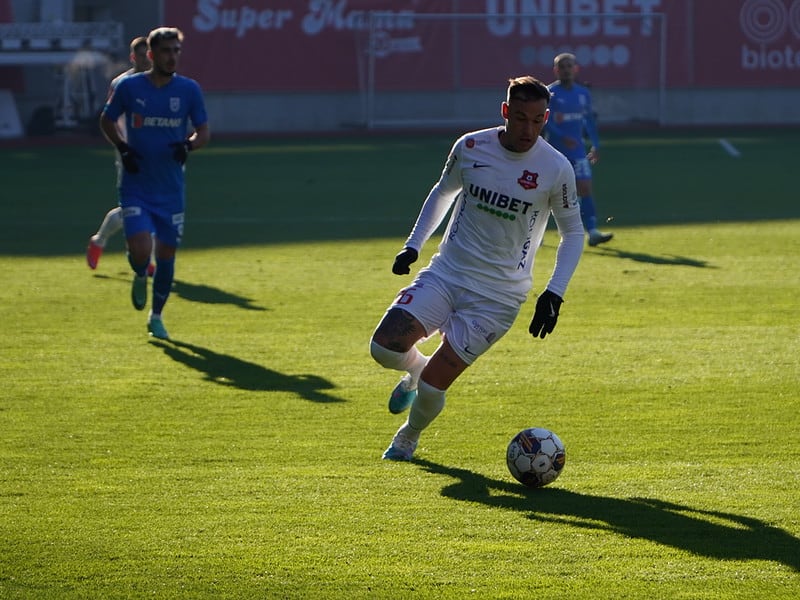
527,88
163,34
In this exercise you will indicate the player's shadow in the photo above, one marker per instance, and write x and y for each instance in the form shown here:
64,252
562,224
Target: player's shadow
234,372
654,259
202,293
207,294
714,534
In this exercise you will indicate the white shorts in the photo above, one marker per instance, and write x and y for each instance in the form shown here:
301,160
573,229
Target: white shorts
472,323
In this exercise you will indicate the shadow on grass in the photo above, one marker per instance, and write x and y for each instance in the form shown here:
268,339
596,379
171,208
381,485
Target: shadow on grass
234,372
714,534
654,259
205,294
211,295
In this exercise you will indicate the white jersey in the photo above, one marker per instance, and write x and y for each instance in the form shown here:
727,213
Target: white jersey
503,201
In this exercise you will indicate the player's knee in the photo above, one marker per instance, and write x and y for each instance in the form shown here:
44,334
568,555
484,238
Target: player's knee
398,331
384,356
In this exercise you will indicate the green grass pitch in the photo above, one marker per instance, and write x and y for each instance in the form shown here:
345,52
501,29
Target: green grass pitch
242,459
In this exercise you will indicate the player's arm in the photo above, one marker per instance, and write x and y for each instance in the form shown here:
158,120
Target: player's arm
199,118
200,137
590,125
112,111
128,156
567,215
435,207
566,212
110,130
438,202
111,87
202,134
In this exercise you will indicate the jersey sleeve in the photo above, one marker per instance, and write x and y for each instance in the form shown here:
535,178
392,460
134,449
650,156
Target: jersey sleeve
439,200
589,122
567,215
115,105
197,111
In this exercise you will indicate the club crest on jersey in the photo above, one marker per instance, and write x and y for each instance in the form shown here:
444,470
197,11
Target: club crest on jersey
174,104
529,180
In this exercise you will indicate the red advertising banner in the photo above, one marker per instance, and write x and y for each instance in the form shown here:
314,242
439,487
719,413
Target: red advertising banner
748,43
316,45
323,45
483,51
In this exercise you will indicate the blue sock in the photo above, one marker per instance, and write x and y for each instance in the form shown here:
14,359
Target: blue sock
162,283
588,214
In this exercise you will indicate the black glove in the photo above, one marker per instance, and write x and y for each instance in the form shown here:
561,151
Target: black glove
128,156
402,261
181,150
546,314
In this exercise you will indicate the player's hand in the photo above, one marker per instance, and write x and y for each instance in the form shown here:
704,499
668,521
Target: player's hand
180,151
128,156
546,314
403,261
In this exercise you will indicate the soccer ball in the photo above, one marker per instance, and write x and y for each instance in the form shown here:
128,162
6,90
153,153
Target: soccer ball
535,457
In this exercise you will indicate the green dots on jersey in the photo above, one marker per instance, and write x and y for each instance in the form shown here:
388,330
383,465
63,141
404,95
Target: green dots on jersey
497,213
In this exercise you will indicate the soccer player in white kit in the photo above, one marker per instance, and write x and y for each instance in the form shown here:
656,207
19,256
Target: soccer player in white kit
505,183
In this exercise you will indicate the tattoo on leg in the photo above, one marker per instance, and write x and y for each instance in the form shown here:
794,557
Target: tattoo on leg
404,324
399,331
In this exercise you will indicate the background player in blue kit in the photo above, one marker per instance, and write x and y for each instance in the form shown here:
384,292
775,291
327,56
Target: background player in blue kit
571,122
160,108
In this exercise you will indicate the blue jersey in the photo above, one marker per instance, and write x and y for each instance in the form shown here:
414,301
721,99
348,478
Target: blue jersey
156,117
571,116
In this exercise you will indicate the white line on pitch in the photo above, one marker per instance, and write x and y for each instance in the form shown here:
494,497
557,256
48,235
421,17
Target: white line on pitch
729,148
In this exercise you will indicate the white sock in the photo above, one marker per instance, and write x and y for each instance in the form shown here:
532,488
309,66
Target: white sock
111,224
412,361
426,407
409,432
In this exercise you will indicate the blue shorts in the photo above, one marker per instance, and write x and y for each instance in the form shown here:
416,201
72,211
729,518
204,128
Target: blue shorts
582,168
165,225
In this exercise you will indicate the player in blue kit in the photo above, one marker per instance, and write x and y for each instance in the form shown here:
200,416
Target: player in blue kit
571,122
160,109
